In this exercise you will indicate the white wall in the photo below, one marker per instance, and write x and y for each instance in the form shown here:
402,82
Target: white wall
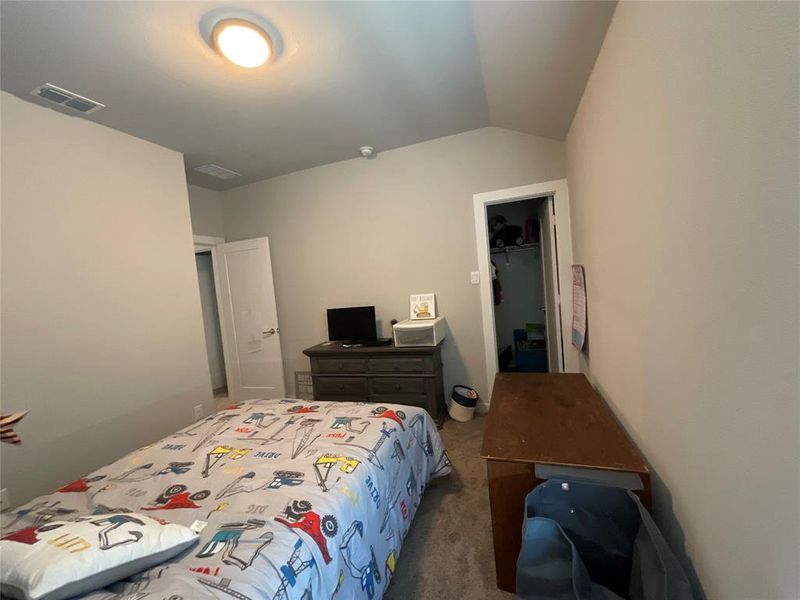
208,302
206,210
683,174
374,231
101,330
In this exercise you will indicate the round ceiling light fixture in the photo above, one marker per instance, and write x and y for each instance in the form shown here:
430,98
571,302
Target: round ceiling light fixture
242,42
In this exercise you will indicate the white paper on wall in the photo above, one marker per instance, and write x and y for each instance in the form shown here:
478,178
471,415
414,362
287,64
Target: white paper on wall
578,306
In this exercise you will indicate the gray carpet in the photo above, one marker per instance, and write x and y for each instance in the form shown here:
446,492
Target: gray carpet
448,553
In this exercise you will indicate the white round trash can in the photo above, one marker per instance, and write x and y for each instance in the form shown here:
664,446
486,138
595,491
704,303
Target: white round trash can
463,401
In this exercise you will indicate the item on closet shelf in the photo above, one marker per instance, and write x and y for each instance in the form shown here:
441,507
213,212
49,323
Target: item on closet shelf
419,333
502,234
463,401
423,306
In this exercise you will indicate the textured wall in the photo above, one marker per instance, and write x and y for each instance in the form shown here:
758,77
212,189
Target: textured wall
206,209
102,337
374,231
683,174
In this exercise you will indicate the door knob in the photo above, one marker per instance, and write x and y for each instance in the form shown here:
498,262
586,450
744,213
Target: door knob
271,331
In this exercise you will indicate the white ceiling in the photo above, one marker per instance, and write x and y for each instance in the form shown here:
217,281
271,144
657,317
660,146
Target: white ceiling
536,58
386,74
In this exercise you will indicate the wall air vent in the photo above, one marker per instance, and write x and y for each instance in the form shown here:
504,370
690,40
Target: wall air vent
53,93
217,171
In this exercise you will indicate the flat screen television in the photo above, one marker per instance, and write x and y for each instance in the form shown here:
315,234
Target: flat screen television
354,324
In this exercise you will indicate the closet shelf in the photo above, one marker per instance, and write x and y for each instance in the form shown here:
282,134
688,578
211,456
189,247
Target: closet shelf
519,248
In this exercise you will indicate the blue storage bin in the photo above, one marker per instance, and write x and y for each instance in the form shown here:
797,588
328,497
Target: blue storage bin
583,541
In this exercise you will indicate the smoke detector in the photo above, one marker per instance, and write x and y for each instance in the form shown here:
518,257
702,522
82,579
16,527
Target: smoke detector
217,171
367,151
58,95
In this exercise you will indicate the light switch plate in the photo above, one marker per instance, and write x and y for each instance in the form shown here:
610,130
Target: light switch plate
198,412
475,277
5,499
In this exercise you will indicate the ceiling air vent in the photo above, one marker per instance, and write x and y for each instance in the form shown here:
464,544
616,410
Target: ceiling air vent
217,171
53,93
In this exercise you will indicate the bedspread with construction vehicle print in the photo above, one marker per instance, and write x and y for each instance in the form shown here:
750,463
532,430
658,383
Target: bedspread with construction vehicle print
292,499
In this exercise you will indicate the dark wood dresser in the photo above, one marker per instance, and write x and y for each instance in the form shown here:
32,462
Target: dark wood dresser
383,374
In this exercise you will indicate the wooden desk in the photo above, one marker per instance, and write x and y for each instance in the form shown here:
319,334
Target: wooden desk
545,419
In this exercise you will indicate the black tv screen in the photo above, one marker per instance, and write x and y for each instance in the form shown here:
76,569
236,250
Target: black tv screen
354,324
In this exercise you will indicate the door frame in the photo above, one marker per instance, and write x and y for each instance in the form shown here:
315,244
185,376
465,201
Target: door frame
204,243
559,191
547,204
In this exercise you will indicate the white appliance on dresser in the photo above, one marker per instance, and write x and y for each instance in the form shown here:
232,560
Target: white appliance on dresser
427,332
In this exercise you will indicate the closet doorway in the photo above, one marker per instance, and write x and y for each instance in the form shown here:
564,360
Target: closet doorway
543,209
518,296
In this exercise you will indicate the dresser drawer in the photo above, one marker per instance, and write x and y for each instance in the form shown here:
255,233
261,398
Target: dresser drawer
341,386
398,385
417,400
339,365
406,364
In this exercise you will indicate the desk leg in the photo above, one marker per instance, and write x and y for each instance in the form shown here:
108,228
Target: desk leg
509,483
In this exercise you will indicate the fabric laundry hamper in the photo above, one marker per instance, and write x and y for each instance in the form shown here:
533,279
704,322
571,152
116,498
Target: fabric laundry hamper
582,541
463,401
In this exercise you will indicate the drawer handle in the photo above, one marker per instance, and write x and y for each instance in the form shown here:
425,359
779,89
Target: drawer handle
397,387
341,366
396,367
341,388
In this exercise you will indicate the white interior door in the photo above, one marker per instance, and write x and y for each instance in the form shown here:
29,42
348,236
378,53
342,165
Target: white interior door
552,295
249,319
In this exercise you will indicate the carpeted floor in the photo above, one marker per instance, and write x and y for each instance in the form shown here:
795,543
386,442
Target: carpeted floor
221,401
448,553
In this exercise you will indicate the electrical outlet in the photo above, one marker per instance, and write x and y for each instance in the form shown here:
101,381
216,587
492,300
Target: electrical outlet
5,500
474,277
198,412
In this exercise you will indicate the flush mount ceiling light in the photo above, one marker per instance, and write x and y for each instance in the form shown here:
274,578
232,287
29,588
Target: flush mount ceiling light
242,37
242,42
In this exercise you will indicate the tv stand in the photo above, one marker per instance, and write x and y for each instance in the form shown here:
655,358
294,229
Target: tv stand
380,374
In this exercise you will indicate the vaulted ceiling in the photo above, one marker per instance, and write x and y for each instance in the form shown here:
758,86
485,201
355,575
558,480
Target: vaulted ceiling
385,74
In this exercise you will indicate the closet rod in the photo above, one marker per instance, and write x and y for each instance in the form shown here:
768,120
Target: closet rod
507,249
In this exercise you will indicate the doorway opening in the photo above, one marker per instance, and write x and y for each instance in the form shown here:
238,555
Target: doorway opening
518,296
240,318
211,327
555,248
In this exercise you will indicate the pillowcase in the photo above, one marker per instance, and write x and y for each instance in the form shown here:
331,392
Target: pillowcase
61,559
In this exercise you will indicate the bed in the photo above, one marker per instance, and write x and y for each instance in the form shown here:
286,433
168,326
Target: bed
292,499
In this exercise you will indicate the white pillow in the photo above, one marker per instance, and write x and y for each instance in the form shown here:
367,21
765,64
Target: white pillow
61,559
